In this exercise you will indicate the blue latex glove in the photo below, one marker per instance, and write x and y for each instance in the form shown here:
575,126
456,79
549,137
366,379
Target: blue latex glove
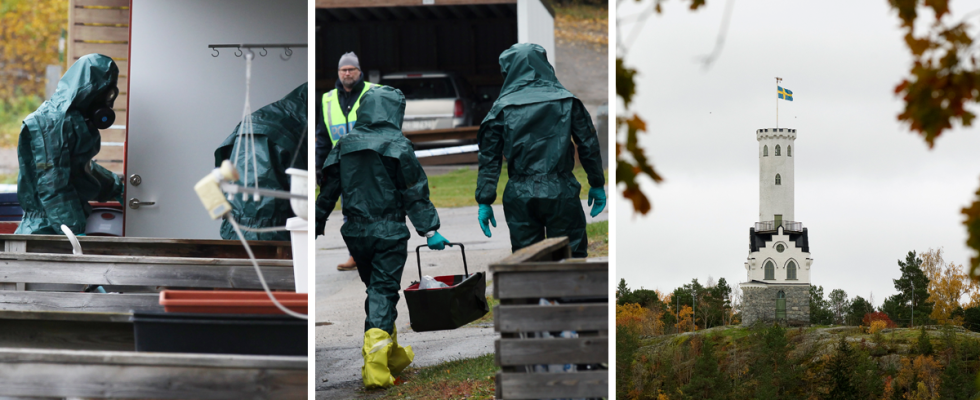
486,214
79,234
597,196
437,242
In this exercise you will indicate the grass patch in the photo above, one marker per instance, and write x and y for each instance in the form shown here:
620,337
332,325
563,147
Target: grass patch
598,233
458,188
472,378
581,11
8,178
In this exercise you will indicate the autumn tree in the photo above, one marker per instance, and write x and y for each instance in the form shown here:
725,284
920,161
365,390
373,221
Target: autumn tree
947,283
685,319
29,33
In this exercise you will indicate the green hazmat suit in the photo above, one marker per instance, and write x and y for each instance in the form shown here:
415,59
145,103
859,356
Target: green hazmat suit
278,129
375,169
57,176
533,124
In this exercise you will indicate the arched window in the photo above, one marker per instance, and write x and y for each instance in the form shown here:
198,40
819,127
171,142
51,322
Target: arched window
770,271
765,151
791,270
778,180
789,151
780,305
777,150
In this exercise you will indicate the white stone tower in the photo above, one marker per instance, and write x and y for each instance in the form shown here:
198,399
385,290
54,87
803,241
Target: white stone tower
777,287
776,174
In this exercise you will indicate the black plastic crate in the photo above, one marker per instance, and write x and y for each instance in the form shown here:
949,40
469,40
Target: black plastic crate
253,334
462,302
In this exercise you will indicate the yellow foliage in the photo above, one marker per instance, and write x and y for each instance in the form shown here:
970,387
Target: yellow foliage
877,326
662,396
920,377
947,283
684,321
629,313
29,32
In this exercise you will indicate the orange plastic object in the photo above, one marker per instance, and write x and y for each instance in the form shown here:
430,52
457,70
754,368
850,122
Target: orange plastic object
230,301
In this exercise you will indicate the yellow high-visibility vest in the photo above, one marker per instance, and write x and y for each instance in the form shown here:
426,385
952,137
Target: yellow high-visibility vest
334,117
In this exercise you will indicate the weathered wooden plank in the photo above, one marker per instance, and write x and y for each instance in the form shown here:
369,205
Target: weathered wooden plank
39,270
162,247
112,153
562,317
121,101
564,265
121,116
143,260
551,249
101,3
91,302
115,374
516,285
113,50
580,350
113,135
101,16
103,33
67,335
514,385
80,316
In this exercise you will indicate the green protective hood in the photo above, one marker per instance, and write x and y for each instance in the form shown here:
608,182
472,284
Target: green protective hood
528,78
57,176
375,169
382,112
85,83
278,128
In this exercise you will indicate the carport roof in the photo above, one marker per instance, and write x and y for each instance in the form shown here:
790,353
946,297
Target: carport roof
402,10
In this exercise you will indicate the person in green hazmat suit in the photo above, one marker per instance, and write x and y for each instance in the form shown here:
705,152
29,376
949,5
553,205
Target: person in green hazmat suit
533,124
375,169
278,130
57,142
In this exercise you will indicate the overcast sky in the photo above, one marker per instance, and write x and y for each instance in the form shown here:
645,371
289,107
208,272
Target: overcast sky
867,189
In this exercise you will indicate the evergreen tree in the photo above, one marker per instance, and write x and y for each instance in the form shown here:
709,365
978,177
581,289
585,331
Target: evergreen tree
840,370
707,381
971,318
924,345
622,291
858,308
912,294
775,373
956,383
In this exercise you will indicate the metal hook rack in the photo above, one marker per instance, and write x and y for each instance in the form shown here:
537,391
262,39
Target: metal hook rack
286,54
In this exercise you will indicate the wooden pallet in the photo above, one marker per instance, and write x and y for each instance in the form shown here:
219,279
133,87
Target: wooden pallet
544,270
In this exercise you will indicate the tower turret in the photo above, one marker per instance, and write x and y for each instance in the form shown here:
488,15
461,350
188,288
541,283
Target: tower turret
776,174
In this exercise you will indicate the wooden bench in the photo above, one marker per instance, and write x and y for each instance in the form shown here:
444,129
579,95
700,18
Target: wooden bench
545,270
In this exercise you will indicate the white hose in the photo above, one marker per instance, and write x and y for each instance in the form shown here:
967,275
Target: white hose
251,256
76,248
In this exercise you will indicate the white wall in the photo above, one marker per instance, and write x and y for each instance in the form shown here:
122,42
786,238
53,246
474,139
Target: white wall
183,102
755,265
536,25
776,199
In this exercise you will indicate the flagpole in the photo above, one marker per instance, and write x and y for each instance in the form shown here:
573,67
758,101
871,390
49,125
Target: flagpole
778,79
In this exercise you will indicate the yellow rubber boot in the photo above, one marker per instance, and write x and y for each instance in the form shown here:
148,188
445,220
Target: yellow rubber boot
400,356
376,350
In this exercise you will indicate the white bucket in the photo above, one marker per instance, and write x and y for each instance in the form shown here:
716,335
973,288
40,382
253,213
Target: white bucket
298,183
298,231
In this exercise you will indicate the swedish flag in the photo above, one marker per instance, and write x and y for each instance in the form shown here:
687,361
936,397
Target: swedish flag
785,94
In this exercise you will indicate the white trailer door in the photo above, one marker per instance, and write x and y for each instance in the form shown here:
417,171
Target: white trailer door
535,24
183,102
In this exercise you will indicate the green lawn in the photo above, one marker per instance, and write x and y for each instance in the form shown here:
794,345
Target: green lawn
458,188
472,378
598,233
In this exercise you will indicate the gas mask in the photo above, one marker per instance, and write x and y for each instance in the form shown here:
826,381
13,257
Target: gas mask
102,117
